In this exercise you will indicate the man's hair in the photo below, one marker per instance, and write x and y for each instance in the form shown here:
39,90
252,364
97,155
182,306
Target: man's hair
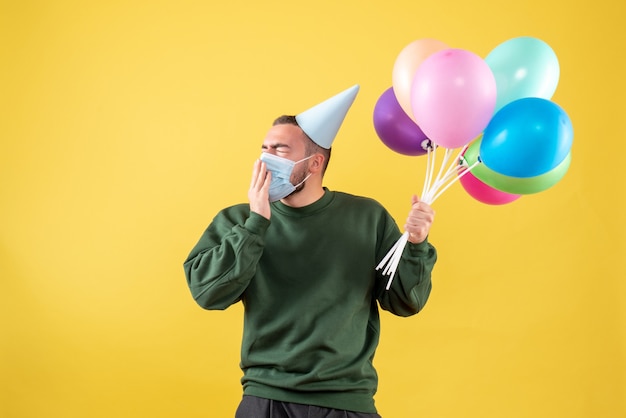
310,147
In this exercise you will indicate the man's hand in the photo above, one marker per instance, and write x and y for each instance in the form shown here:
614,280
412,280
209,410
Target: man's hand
258,194
420,219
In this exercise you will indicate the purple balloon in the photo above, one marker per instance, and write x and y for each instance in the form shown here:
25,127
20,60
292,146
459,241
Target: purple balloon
396,129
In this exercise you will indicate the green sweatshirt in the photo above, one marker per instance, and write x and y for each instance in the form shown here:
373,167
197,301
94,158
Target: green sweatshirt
310,292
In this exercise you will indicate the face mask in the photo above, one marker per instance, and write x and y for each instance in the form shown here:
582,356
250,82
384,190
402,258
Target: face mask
281,169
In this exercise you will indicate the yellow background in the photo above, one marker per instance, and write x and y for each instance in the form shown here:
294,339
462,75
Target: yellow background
126,125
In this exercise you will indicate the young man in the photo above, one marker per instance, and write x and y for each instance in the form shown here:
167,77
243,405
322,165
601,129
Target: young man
301,259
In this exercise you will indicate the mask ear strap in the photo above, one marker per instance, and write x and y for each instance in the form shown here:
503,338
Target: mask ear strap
302,182
304,159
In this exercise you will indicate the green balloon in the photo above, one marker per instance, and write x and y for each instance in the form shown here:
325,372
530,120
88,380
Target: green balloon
514,185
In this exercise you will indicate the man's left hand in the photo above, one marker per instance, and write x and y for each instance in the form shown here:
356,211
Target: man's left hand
420,219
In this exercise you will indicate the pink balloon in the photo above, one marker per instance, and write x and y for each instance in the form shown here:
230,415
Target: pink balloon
453,97
484,193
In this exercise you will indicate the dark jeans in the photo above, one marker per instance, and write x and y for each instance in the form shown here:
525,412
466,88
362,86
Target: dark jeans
254,407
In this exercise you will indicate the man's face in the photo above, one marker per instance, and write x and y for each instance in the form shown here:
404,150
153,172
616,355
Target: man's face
288,141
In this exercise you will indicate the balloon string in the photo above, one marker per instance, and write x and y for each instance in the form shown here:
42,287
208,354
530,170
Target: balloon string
441,175
455,179
450,177
451,173
430,168
441,179
431,191
455,162
446,157
383,262
425,187
392,259
434,185
396,258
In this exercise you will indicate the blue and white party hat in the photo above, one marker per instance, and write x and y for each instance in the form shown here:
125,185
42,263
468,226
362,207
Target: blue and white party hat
322,122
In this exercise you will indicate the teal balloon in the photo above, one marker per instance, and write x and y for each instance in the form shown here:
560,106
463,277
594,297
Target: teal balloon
523,67
514,185
527,138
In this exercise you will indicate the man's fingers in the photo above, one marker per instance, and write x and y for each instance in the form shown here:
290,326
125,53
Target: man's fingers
255,173
266,182
419,221
259,175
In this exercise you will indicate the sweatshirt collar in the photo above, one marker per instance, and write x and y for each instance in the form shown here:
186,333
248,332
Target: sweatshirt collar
311,209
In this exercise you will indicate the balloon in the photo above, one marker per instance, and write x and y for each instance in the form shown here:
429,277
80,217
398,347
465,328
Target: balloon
394,127
484,193
523,67
515,185
527,138
405,66
453,96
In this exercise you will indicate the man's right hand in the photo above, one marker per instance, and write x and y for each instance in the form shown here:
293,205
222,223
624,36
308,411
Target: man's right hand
258,194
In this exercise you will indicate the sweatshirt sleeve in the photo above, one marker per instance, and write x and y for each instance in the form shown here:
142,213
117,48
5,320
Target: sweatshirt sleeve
221,265
411,284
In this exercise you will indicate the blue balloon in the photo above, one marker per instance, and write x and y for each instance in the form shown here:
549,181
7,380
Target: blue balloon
527,138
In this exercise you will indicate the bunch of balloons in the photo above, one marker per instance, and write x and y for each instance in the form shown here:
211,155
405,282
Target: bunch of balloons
496,110
511,139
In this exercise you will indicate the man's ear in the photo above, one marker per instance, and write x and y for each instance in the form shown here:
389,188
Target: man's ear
317,163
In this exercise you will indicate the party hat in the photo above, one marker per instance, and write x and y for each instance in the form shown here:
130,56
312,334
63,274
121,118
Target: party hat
321,122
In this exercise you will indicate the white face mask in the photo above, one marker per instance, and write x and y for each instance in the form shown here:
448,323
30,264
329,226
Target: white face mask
281,169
